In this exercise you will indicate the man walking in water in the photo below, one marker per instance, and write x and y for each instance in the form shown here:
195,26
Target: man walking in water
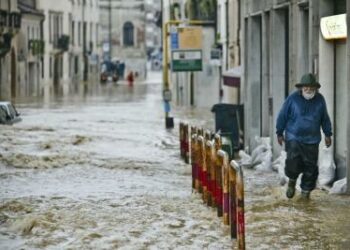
301,118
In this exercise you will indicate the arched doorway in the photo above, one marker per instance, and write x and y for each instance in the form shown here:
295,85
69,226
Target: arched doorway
128,34
13,74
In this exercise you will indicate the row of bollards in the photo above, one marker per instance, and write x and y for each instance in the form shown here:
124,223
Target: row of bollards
219,181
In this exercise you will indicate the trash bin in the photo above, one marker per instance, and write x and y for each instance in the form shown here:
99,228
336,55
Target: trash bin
229,121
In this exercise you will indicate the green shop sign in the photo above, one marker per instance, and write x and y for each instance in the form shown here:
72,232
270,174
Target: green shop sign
186,60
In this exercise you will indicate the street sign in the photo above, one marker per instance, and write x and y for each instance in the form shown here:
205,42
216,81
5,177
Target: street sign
167,96
174,38
186,60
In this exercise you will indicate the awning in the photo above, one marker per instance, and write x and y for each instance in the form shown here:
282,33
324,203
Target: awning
232,77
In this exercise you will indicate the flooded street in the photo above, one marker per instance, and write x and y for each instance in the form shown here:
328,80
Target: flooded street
99,171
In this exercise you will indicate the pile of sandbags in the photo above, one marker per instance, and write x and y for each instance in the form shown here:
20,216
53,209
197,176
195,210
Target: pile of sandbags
261,158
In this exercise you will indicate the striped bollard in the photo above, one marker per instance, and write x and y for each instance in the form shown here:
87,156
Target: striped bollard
217,147
225,190
232,199
221,155
200,162
197,163
240,207
209,146
193,160
193,132
186,144
200,131
181,139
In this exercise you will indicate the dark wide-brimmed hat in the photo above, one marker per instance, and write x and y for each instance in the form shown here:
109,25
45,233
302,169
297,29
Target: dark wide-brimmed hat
308,80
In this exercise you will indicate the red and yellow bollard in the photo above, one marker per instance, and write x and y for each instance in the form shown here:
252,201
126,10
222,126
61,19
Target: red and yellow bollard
232,201
240,206
225,189
193,158
181,135
200,160
221,158
186,144
209,150
217,147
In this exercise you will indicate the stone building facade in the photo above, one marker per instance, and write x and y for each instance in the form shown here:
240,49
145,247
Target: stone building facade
123,30
282,41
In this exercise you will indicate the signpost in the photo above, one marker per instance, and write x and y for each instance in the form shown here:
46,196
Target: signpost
186,54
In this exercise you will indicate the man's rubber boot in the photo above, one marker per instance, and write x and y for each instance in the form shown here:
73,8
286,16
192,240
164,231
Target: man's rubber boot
291,188
305,194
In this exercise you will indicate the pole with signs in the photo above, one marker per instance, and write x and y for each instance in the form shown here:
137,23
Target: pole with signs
184,39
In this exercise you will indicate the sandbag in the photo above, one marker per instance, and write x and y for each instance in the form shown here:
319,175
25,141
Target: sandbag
260,151
279,160
326,167
280,165
245,159
266,161
339,187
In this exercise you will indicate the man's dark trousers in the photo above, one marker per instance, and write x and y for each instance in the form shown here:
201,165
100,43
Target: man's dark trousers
302,159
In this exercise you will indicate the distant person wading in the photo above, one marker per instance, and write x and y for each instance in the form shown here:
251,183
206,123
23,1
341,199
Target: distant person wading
299,124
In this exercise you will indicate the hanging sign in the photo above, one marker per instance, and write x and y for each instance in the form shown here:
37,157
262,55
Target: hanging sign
334,27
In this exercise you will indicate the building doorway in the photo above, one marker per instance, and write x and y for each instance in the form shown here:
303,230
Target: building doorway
31,79
340,97
56,75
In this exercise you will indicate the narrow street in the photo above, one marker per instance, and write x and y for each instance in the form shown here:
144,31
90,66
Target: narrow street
100,171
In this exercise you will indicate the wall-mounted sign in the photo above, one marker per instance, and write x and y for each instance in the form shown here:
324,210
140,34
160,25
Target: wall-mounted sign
174,40
186,60
334,27
215,56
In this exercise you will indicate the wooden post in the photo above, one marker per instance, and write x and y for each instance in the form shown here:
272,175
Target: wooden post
200,160
232,199
240,209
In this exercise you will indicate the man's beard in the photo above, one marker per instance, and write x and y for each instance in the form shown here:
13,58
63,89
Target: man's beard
308,94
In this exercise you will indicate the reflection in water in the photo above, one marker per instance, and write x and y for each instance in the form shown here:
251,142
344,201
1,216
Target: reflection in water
97,170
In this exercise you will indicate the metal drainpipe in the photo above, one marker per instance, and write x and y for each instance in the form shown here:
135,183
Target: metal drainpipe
110,30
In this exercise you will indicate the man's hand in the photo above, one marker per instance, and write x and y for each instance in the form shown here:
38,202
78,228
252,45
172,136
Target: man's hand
328,141
280,139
